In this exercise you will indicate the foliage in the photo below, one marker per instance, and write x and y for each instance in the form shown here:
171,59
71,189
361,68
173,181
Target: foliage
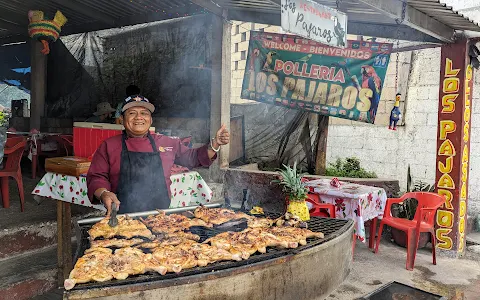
4,119
407,208
350,168
291,180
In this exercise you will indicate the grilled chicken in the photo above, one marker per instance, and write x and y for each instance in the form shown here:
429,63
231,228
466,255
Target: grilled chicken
118,243
90,267
174,259
126,227
207,254
294,235
260,222
238,243
218,216
171,239
163,223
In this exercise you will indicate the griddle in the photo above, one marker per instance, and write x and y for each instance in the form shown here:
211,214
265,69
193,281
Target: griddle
331,228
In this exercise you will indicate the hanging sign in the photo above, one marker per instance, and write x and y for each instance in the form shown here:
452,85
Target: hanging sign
302,74
314,21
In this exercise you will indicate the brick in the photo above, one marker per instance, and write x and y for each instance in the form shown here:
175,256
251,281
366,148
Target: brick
432,119
243,46
415,118
241,64
236,38
236,56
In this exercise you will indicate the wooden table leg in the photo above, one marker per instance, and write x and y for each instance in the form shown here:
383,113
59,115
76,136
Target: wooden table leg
64,240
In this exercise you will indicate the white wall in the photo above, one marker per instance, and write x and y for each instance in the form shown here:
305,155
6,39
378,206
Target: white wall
389,153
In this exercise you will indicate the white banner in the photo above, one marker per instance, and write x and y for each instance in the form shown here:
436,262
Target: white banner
315,21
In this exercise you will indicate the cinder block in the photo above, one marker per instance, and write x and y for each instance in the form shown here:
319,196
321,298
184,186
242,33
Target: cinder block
241,64
243,46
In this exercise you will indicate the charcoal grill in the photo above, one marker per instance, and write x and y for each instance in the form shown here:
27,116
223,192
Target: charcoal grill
336,232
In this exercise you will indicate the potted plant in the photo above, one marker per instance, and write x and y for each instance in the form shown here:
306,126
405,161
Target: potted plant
407,209
296,191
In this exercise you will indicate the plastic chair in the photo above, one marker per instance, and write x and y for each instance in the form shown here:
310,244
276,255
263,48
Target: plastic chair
320,209
14,148
64,148
423,221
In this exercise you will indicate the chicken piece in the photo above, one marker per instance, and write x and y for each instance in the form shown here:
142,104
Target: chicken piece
237,243
90,267
152,265
171,241
260,223
163,223
218,216
118,243
133,260
294,235
126,227
207,254
263,239
174,259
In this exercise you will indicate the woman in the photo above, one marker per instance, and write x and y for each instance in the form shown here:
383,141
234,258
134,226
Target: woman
132,170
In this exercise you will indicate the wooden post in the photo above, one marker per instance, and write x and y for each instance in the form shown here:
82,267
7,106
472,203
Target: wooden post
220,90
322,134
453,146
38,84
64,241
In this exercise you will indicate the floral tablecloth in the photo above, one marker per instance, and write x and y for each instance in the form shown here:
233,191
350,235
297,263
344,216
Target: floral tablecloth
187,189
352,201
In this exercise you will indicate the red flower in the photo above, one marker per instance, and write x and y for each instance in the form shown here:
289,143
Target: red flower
77,193
191,192
71,189
83,202
37,191
73,199
51,189
339,204
369,198
208,200
181,192
183,203
199,186
61,187
203,195
81,190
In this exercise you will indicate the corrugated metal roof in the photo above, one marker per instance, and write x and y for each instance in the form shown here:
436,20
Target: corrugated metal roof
89,15
445,14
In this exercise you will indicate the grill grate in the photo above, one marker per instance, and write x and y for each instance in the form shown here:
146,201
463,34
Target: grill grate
331,228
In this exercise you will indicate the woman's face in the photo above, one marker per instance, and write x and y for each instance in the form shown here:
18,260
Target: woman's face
137,121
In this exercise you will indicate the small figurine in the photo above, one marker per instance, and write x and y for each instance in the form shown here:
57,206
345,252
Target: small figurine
395,114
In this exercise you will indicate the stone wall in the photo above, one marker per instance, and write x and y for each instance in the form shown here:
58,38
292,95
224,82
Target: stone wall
269,196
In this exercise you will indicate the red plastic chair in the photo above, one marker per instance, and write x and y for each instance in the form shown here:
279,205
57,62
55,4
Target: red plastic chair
14,148
64,148
320,209
423,221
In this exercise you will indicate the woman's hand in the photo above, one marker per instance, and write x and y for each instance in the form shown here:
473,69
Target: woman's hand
108,198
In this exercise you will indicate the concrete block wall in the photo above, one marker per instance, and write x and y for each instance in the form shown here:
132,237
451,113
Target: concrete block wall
388,153
240,40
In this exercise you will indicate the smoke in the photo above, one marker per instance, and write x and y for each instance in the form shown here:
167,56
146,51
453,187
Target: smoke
168,60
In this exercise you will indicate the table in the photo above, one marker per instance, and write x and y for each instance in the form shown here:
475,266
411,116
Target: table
352,201
187,189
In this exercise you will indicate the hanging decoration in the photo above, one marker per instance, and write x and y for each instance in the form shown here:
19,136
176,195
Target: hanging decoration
45,30
395,114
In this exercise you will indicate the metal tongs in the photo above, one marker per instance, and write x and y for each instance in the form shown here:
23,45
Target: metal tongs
113,216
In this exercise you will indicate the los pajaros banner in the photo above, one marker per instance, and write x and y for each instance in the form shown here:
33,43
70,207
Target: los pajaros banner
302,74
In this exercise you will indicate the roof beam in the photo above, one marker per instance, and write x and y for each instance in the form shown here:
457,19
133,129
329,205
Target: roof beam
413,18
356,28
13,28
85,10
210,6
14,17
13,39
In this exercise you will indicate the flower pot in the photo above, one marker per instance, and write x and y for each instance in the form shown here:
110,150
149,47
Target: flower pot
400,238
299,208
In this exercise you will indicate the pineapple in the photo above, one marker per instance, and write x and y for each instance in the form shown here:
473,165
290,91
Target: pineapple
296,191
